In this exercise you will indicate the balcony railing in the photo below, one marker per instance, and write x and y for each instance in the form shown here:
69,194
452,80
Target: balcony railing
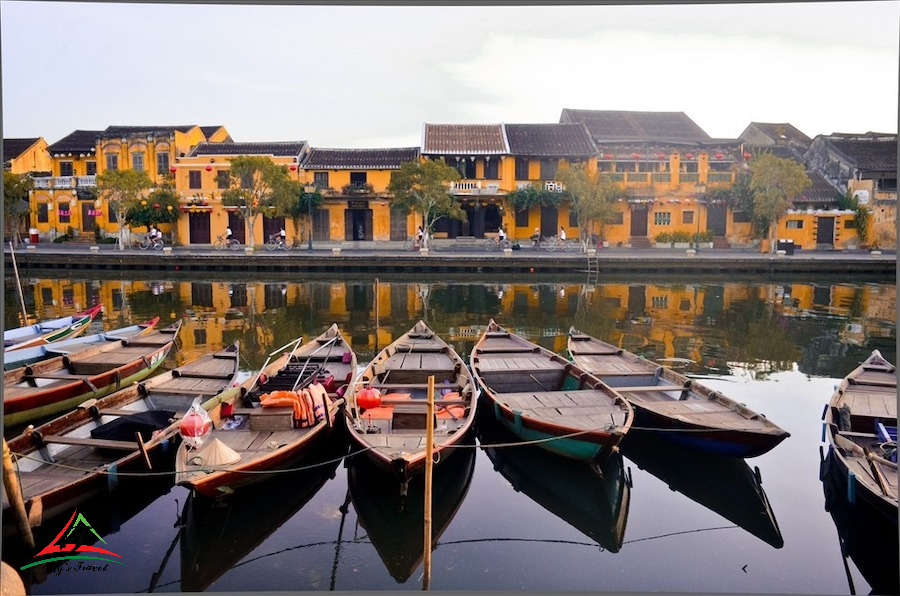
463,187
63,182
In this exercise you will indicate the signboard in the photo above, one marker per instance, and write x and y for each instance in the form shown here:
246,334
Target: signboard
357,204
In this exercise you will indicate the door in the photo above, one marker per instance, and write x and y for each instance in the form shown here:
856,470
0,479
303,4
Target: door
825,230
358,224
88,219
238,227
715,221
198,228
639,215
549,221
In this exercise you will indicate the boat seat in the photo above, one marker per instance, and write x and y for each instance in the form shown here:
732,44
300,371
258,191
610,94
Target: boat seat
643,388
886,433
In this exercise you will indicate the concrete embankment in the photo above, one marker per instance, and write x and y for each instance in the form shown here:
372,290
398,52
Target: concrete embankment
181,262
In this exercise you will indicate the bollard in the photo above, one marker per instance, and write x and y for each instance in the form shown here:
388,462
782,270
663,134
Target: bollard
95,249
336,251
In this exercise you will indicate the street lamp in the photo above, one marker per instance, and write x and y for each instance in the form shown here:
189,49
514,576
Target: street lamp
309,189
699,191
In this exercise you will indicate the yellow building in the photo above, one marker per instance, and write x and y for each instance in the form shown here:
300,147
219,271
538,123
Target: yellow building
26,156
65,203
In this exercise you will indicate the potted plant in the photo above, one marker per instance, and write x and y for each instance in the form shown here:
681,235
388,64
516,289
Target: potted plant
681,239
663,240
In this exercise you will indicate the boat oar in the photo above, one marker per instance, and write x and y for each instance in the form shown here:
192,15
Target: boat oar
337,548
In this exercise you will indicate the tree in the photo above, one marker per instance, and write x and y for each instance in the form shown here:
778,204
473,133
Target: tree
161,206
423,187
123,191
593,198
774,182
15,202
302,206
258,185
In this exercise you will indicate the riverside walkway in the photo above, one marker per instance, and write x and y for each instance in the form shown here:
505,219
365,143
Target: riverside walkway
444,257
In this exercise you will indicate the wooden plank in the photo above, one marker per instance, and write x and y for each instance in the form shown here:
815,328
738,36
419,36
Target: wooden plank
100,443
643,388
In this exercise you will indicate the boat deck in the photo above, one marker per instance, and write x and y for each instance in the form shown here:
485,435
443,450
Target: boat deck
581,408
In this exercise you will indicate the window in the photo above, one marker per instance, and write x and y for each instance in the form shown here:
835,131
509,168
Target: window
137,162
42,212
618,218
246,180
468,169
65,168
65,216
662,218
522,218
320,179
162,162
660,302
91,168
548,169
357,179
194,179
112,161
491,169
521,168
741,217
573,218
849,224
223,179
794,224
687,217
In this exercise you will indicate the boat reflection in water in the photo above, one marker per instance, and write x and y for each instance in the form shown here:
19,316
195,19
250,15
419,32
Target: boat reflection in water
394,523
593,498
217,534
864,533
724,485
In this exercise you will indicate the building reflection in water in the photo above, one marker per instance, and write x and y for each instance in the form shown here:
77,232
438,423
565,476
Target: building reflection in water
699,327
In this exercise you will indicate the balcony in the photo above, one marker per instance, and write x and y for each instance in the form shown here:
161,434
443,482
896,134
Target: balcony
65,182
465,187
358,188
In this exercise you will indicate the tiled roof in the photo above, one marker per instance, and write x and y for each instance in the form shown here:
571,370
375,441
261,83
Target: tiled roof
609,125
13,148
464,139
80,141
780,132
209,130
112,131
552,140
869,154
277,149
820,191
362,159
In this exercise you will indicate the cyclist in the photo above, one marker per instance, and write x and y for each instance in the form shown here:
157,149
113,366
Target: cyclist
282,237
501,236
562,234
536,237
228,235
420,236
153,234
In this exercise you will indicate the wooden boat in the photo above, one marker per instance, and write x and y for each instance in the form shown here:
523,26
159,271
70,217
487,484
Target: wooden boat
593,500
540,396
860,428
70,458
863,536
21,357
394,523
681,408
392,432
61,383
725,485
49,331
216,534
281,417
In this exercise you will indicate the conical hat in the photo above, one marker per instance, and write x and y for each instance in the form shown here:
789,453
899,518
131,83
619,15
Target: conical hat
217,453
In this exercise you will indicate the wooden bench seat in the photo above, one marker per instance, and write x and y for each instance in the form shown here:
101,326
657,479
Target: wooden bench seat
642,388
90,442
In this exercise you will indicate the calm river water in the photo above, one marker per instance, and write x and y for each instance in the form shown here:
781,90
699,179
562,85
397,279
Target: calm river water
660,519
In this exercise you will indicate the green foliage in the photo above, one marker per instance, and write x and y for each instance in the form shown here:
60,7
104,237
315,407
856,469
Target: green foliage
663,238
682,236
303,204
15,201
593,198
861,218
160,207
422,187
523,199
258,185
774,182
123,190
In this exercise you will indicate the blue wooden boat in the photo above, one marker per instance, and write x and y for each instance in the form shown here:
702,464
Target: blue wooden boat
679,407
540,396
49,331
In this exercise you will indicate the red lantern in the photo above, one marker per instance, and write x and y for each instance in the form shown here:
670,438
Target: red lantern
636,155
747,155
293,167
608,156
720,155
173,169
156,205
194,426
209,168
661,155
689,155
368,398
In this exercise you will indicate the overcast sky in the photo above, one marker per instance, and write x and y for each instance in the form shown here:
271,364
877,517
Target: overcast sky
350,76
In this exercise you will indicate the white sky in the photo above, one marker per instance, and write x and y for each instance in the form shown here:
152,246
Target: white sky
350,76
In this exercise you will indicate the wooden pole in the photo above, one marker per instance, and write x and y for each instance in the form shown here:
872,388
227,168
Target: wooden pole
14,494
376,314
12,253
429,464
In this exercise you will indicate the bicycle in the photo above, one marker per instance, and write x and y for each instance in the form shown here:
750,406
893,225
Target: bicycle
146,243
491,245
276,241
555,243
411,244
221,243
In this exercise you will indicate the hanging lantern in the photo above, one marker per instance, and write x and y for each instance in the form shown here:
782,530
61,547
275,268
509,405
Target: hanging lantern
293,167
720,155
747,155
689,155
168,208
607,155
635,155
368,398
661,155
194,427
156,205
209,168
143,203
173,169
